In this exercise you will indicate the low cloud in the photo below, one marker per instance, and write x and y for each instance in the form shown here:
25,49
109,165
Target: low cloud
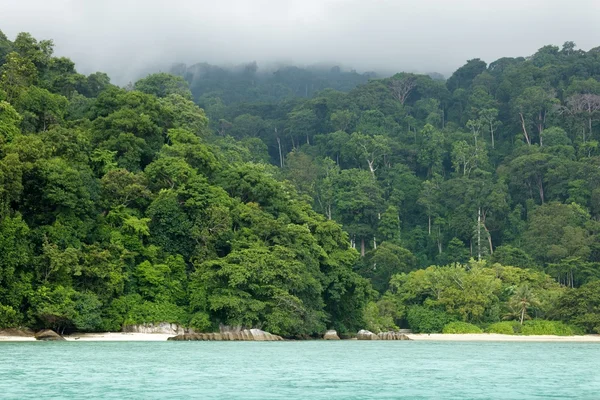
126,38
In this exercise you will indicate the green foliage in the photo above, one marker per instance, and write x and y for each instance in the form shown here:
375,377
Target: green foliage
461,327
163,84
379,317
427,320
9,318
152,312
200,322
505,328
129,206
542,327
581,307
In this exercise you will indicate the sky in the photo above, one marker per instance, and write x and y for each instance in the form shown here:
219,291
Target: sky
126,38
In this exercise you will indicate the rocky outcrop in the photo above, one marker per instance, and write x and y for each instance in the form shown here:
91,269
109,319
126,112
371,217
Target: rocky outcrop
48,335
256,335
392,336
364,334
368,335
160,327
331,335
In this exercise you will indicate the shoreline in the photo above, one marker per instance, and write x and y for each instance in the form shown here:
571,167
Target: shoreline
469,337
496,337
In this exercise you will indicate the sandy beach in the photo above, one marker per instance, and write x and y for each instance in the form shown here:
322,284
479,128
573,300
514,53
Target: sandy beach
98,337
473,337
491,337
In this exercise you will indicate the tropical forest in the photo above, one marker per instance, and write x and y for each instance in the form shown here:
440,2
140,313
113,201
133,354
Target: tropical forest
301,199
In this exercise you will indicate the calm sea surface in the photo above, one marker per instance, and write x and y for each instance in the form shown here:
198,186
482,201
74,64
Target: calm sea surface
300,370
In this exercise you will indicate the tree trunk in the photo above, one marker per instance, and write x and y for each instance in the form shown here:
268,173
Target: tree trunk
362,246
430,225
541,128
371,168
524,129
374,243
280,153
522,314
479,234
489,239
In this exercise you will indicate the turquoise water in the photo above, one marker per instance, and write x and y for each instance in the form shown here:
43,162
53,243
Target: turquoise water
300,370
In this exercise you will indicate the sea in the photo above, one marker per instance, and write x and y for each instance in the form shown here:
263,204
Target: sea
299,370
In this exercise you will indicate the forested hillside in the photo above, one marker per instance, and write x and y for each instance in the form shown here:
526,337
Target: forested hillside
301,200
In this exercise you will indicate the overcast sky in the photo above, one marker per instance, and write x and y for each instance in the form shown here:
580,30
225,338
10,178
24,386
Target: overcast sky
122,37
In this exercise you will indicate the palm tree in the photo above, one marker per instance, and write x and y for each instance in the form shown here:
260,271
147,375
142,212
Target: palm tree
521,301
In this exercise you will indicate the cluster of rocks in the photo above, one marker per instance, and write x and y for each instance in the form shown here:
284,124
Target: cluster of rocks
160,327
256,335
368,335
48,335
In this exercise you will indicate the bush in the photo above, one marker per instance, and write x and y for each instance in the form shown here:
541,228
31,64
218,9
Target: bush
542,327
504,328
461,327
378,317
8,317
427,320
88,316
152,312
200,322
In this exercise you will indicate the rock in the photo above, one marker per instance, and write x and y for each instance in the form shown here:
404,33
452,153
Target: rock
364,334
262,336
48,335
331,335
161,327
392,336
246,335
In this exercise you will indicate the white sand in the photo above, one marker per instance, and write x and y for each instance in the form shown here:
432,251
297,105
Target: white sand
4,338
120,337
100,337
489,337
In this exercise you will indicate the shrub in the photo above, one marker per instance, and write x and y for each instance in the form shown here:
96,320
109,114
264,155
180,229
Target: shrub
200,321
504,328
427,320
461,327
542,327
8,317
377,318
88,315
151,312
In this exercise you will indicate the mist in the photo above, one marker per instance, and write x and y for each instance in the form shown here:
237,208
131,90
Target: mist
128,38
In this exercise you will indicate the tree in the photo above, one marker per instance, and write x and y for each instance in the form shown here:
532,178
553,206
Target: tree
581,307
533,108
432,150
488,116
358,204
463,77
162,85
16,74
522,301
402,85
388,259
372,149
